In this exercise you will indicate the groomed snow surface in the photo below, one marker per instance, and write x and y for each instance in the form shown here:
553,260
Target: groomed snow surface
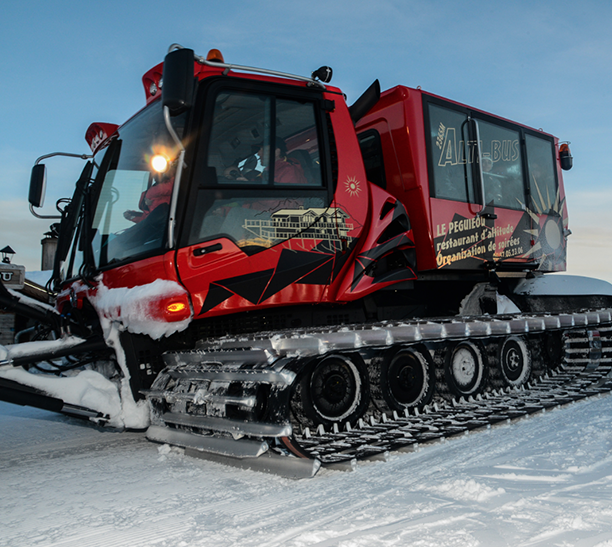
542,481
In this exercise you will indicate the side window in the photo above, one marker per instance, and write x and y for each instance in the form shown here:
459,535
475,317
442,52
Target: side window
542,179
240,127
264,150
297,148
371,151
455,157
260,139
501,166
452,154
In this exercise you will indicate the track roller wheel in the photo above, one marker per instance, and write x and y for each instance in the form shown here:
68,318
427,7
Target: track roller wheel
336,390
407,380
464,369
514,362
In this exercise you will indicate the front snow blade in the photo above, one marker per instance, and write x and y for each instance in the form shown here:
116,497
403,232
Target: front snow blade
223,446
19,394
270,462
242,453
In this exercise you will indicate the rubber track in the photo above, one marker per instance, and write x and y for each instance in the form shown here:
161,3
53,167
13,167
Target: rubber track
586,370
404,433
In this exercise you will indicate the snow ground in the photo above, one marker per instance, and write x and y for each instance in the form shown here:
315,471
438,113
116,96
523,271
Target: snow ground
542,481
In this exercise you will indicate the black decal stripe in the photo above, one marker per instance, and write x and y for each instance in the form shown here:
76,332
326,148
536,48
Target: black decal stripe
215,296
292,266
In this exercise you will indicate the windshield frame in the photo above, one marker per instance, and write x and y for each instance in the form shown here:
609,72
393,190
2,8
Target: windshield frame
141,142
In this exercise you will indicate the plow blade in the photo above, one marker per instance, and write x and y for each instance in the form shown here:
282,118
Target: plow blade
241,453
18,394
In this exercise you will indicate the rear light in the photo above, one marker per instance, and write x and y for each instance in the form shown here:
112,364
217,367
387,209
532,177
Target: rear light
565,157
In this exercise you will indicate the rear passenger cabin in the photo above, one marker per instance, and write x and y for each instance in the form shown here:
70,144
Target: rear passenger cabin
483,193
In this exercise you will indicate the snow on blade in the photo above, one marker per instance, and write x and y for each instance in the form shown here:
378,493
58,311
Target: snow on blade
132,307
88,389
38,347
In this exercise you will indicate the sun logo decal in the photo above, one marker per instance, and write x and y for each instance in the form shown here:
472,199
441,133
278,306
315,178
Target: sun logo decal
352,186
548,229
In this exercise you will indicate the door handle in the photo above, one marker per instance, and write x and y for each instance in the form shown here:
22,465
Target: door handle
201,251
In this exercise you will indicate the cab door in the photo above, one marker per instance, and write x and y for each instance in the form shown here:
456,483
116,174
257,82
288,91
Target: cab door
255,230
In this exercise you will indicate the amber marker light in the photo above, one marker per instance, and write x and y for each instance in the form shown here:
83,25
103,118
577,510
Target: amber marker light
159,163
215,56
176,307
565,156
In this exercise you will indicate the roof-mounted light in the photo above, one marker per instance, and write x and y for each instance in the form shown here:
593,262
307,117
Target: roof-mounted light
98,133
215,56
323,74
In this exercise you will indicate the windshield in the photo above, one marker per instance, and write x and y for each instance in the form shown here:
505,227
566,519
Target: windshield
133,201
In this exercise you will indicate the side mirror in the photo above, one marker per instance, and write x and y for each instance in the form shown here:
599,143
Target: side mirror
38,184
177,80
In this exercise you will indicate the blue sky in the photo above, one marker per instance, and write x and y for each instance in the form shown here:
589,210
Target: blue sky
543,63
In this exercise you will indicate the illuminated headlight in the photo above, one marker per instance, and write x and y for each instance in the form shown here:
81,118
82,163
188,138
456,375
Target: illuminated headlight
159,163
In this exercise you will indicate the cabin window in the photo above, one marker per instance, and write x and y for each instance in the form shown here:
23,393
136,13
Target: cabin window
371,151
260,139
502,166
263,182
542,179
463,145
452,154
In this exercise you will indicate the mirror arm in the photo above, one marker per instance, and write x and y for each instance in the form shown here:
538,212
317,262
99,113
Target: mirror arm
68,155
44,217
37,162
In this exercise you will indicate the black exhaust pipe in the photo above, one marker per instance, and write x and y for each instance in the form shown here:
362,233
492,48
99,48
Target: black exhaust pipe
365,103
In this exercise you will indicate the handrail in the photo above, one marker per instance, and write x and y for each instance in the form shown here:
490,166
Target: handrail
217,64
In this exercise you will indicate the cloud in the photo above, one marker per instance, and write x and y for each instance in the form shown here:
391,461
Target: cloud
590,245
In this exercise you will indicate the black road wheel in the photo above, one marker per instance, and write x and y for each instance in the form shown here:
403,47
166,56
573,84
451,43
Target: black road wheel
464,369
407,380
514,362
336,390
